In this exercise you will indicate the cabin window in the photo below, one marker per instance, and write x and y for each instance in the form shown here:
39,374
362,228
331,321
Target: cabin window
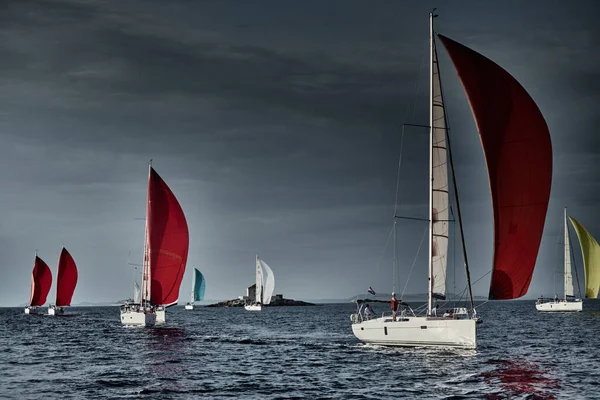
424,327
385,330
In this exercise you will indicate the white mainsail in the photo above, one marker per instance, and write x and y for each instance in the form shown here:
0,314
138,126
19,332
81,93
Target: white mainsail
137,298
439,184
259,280
268,283
568,273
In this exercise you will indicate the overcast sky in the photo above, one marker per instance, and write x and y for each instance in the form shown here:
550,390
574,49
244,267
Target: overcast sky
277,125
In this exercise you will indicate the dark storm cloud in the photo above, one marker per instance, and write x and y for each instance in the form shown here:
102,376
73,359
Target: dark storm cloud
276,125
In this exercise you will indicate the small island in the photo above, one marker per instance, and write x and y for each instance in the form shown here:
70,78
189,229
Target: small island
276,301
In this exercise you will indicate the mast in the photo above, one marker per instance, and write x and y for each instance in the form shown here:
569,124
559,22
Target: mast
430,256
146,268
395,260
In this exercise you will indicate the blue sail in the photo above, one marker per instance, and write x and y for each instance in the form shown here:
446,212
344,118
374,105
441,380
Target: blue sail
199,285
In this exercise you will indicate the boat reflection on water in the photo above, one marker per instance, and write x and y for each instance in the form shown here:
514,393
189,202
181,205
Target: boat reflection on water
166,353
518,378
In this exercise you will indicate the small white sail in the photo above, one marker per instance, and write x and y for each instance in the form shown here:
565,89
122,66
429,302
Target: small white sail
568,273
269,283
259,280
439,185
137,298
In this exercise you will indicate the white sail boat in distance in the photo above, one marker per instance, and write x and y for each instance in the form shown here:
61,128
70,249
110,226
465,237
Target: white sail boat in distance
265,286
568,302
518,153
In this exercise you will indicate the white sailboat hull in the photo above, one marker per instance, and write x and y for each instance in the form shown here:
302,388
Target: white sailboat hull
160,317
32,310
418,331
53,310
560,306
253,307
138,318
189,306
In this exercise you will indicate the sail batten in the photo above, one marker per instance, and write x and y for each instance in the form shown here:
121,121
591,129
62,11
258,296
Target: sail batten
66,279
167,242
518,153
590,250
41,280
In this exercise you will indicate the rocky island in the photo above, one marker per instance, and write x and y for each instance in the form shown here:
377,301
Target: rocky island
277,301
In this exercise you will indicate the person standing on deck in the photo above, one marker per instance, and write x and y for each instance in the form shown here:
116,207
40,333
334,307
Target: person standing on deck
394,306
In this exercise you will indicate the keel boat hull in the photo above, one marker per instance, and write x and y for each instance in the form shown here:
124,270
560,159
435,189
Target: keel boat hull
418,332
560,306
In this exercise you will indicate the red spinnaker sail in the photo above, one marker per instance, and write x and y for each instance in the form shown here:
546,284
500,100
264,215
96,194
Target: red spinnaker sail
518,152
168,242
41,280
66,280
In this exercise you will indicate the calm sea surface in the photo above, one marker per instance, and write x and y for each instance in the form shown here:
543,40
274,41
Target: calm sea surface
293,352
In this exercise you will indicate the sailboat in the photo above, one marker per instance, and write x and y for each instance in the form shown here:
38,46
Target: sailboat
265,286
65,283
568,302
518,152
166,246
41,280
198,289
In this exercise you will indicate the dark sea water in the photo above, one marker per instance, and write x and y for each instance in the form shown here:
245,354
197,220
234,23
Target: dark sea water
293,352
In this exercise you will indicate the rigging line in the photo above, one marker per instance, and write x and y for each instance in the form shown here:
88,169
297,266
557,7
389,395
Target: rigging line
481,277
384,249
414,262
485,302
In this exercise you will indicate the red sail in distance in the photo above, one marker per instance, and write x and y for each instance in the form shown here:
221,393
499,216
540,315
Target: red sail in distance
66,280
518,152
41,280
168,242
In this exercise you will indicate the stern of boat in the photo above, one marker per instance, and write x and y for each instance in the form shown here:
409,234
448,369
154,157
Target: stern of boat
137,316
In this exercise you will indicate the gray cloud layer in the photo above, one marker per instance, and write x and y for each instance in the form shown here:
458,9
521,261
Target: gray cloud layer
277,126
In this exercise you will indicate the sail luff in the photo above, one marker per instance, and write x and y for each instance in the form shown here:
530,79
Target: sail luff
590,251
568,278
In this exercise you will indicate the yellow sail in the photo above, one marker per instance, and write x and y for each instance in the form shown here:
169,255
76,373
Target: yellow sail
590,249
